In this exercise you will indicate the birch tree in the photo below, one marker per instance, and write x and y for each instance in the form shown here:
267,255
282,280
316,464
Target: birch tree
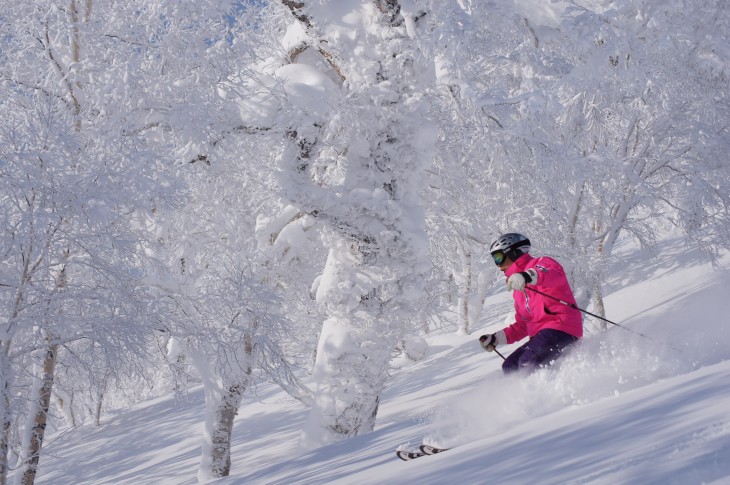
227,321
68,254
596,125
473,184
641,142
71,265
354,161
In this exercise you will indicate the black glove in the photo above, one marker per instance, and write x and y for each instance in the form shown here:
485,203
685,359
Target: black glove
488,342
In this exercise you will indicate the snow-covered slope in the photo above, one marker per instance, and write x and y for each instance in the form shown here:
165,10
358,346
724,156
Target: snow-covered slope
622,408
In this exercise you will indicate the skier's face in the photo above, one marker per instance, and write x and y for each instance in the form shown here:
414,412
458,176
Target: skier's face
501,260
505,264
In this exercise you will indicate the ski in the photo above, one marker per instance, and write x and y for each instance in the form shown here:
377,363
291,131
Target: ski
408,455
425,450
431,450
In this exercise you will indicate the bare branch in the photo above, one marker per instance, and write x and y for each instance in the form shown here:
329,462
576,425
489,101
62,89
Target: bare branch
297,9
46,43
391,8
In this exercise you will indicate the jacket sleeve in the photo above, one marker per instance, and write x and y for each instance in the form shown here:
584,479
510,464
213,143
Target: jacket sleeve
516,332
549,272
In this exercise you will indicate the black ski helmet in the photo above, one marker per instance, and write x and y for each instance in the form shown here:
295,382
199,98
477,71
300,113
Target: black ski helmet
512,244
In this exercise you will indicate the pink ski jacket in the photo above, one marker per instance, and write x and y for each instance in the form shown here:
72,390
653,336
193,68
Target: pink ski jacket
534,312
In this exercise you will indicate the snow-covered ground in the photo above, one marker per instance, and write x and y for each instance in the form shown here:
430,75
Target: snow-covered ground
622,408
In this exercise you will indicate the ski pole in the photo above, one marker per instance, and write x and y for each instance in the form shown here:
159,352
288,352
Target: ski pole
571,305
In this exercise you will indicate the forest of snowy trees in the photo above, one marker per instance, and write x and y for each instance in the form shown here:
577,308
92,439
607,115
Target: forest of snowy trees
222,192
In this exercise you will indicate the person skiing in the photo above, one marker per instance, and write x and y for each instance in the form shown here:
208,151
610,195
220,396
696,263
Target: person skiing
550,325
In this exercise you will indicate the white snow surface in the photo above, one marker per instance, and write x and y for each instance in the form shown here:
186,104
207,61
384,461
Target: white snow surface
621,408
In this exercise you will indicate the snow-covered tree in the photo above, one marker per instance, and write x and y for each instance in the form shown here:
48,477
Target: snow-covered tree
358,143
636,142
233,340
289,247
594,124
471,184
227,321
73,182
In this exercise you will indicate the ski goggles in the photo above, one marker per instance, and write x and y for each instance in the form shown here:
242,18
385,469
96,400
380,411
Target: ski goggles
499,257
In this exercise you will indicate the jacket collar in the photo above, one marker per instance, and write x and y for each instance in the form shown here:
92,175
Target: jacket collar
519,265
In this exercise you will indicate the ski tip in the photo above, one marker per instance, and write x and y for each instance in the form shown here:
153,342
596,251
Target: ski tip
431,450
408,455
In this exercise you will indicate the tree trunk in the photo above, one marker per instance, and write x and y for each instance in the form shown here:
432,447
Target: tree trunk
574,217
226,413
177,360
223,431
598,306
350,377
221,407
465,290
6,371
65,402
41,402
41,397
4,446
5,415
477,303
97,413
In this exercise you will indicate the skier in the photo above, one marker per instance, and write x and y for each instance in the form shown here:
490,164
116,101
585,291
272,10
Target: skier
550,325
